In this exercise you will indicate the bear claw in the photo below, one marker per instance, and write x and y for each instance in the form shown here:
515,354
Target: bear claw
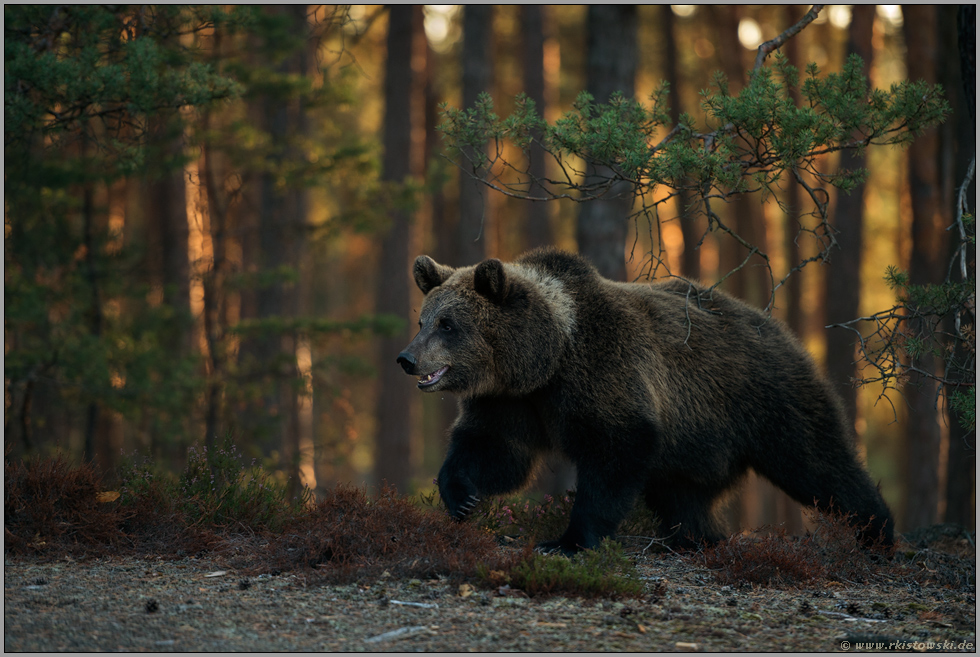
470,503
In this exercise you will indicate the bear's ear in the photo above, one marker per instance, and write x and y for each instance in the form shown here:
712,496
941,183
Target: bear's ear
490,281
429,273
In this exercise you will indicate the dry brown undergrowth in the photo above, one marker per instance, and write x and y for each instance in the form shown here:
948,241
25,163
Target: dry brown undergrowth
54,507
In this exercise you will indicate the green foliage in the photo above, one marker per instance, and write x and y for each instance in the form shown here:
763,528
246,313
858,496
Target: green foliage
81,85
385,325
95,96
758,131
216,490
964,402
603,572
99,71
758,140
936,321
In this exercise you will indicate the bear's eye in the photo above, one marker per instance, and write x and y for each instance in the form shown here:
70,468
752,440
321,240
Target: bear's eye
445,325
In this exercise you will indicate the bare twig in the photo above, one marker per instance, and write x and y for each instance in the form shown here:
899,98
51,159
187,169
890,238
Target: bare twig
963,208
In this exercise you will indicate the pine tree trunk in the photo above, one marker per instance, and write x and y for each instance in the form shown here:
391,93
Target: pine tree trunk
95,316
474,220
692,224
611,66
164,200
927,265
751,280
788,512
397,401
534,27
793,290
439,411
958,34
842,291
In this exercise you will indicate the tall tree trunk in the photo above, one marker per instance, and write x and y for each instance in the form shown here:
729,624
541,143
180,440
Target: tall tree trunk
788,513
611,67
474,217
439,411
282,223
441,224
724,21
556,476
757,505
95,315
927,265
212,166
166,219
842,290
275,244
397,401
256,417
793,290
692,225
751,282
168,263
958,34
535,28
213,287
166,213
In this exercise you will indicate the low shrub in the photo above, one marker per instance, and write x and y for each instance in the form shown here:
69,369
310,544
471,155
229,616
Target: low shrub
603,572
771,560
346,536
525,519
53,504
831,551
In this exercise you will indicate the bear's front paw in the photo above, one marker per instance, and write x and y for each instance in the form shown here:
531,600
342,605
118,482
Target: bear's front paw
460,497
465,508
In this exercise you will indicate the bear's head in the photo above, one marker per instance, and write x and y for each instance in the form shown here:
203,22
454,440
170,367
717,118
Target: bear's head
488,329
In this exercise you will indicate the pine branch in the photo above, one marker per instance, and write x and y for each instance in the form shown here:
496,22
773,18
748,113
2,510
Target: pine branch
766,48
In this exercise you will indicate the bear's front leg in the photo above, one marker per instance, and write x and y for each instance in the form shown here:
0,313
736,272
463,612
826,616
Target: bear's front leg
457,490
492,450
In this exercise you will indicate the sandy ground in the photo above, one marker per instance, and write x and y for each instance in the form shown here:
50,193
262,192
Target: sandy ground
152,605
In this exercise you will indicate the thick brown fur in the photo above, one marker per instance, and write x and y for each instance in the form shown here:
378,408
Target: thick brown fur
663,391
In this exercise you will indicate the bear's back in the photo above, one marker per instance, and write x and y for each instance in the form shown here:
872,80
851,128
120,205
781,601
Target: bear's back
697,357
674,322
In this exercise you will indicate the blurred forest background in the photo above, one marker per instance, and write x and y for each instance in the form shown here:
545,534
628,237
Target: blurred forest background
210,216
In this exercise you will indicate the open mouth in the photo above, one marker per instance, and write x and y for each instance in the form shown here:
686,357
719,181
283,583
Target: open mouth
431,379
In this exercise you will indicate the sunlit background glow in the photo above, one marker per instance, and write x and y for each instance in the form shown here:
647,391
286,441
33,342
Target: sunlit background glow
840,15
441,29
749,33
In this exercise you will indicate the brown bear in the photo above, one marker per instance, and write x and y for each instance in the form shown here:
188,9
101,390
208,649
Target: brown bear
665,391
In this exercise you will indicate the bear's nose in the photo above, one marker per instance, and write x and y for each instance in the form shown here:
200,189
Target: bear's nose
407,361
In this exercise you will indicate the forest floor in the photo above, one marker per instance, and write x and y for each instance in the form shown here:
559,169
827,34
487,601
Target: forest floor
149,604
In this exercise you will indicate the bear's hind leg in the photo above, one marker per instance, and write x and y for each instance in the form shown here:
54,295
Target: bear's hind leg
603,497
687,514
832,479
